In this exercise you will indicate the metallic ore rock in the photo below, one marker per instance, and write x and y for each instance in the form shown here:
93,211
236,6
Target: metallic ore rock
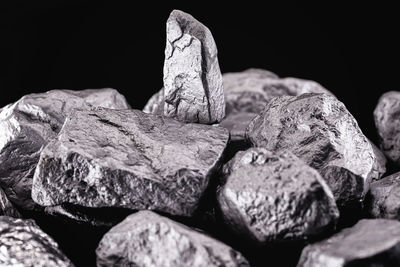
148,239
275,197
128,159
319,130
30,123
6,207
387,115
368,243
192,78
23,243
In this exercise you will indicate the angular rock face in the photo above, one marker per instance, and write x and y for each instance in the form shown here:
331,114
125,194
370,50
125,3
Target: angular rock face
192,79
383,198
368,243
6,207
275,197
128,159
387,121
148,239
30,123
23,243
319,130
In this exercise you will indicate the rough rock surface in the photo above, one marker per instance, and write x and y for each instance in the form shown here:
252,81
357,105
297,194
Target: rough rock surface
128,159
387,121
23,243
192,79
379,168
237,124
369,243
30,123
155,105
148,239
275,197
319,130
383,198
6,207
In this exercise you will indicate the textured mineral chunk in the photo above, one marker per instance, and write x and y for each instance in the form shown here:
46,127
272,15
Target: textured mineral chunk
155,105
6,207
275,197
128,159
383,198
369,243
23,243
319,130
193,89
148,239
30,123
387,121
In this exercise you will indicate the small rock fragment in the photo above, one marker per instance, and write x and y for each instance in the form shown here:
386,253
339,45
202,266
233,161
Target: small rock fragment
319,130
128,159
193,89
368,243
275,197
148,239
155,105
383,198
23,243
6,207
30,123
387,121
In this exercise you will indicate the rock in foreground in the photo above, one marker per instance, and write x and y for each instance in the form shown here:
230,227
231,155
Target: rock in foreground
30,123
368,243
23,243
128,159
319,130
275,197
192,79
148,239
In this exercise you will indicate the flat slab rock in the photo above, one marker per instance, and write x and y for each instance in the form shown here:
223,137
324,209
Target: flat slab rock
319,130
275,197
373,242
148,239
383,198
128,159
27,125
6,207
193,89
387,121
23,243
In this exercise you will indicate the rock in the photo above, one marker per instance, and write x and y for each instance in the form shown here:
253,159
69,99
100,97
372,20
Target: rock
192,79
368,243
23,243
155,105
383,198
319,130
30,123
387,121
237,124
275,197
148,239
128,159
6,207
379,168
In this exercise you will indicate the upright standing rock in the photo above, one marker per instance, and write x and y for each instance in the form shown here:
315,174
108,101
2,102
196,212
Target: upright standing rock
146,239
193,89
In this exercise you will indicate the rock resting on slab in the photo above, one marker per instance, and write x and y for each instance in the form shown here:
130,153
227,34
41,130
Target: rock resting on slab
387,122
23,243
374,242
27,125
128,159
275,197
193,89
319,130
147,239
6,207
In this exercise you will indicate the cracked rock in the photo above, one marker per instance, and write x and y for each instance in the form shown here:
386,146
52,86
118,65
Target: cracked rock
23,243
192,79
383,198
373,242
128,159
27,125
387,121
148,239
319,130
275,197
6,207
